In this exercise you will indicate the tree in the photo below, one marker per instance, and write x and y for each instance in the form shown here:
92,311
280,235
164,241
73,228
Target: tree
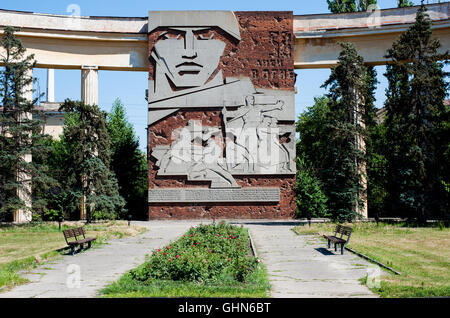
343,6
446,169
404,3
20,136
128,162
311,201
346,6
350,103
65,195
375,143
374,151
415,122
312,127
377,177
90,159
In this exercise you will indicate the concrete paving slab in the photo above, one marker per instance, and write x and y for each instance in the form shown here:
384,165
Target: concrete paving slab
97,267
301,266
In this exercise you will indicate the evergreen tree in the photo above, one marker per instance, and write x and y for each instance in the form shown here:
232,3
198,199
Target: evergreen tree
64,196
415,121
376,152
446,168
374,147
128,162
90,160
20,135
350,108
346,6
405,3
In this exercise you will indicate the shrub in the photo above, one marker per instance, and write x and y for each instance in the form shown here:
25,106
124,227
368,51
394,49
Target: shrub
311,201
51,215
205,253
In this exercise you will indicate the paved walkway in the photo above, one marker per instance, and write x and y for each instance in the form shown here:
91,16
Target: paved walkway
97,266
298,266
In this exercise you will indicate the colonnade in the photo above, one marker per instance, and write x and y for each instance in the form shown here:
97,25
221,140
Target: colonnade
89,95
91,44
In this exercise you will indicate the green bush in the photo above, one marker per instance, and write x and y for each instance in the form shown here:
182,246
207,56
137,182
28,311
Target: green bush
205,253
103,215
51,215
311,201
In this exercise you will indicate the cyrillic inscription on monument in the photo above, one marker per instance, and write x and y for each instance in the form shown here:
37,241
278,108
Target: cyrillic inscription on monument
183,195
221,114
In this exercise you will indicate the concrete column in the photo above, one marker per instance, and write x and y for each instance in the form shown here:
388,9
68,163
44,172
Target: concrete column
25,215
362,208
89,85
89,95
83,213
50,85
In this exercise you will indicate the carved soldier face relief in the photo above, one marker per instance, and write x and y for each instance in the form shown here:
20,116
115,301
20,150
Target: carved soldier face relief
221,114
189,55
242,139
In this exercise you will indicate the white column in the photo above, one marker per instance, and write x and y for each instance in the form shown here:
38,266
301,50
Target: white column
89,85
362,208
89,95
25,215
50,85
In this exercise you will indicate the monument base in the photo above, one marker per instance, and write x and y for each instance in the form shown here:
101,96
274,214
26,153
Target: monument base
282,206
195,195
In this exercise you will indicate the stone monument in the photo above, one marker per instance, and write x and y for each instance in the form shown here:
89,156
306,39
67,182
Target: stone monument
221,134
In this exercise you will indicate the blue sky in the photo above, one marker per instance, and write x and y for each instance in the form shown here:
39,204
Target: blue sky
130,86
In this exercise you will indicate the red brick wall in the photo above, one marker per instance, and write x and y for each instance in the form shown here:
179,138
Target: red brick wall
264,54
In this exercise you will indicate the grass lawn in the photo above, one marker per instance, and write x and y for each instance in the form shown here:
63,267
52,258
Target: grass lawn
23,247
420,254
208,261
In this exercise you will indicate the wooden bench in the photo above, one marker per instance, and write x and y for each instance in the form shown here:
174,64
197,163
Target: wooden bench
79,238
342,231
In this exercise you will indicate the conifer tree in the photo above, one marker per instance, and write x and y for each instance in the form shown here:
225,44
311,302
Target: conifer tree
128,162
346,6
90,161
351,109
415,122
404,3
20,135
